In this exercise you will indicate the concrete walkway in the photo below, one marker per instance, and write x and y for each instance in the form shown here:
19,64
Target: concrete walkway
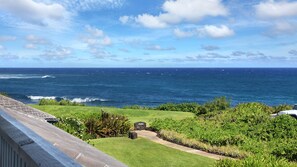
153,137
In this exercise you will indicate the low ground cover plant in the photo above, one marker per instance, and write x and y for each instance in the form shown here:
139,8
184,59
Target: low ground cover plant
247,128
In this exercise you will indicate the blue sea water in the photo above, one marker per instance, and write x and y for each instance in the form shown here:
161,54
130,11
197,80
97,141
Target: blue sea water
151,86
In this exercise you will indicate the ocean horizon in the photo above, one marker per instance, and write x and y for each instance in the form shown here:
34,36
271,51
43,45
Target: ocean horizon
119,87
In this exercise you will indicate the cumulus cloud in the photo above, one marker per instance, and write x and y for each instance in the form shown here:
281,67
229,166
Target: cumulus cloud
125,19
216,31
274,10
34,41
177,11
159,48
37,13
212,31
183,34
57,53
96,41
150,21
95,32
282,28
96,37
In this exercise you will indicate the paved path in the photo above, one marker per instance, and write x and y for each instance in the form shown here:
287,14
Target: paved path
153,137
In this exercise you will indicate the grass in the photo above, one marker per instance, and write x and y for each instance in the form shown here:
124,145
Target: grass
144,153
134,115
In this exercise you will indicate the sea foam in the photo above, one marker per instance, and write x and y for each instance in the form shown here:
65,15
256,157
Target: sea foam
41,97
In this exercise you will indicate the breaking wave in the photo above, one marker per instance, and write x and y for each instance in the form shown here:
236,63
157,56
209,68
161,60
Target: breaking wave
87,100
22,76
77,100
41,97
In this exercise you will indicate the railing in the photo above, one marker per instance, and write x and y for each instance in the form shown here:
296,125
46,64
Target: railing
21,147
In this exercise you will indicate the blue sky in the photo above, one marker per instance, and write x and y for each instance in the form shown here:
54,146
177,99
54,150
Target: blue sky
148,33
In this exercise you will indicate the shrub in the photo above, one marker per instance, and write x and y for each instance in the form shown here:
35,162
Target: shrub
220,103
62,102
185,107
137,107
73,126
107,125
217,104
286,149
282,108
4,94
255,161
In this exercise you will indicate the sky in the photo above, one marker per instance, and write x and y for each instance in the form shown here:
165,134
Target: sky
148,33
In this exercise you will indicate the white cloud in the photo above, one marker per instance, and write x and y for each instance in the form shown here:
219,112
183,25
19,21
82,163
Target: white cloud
96,37
192,10
215,31
7,38
205,31
35,12
88,5
36,40
94,31
159,48
96,41
124,19
274,10
177,11
2,47
57,53
150,21
183,34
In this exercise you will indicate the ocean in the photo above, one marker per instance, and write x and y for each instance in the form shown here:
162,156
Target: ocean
150,86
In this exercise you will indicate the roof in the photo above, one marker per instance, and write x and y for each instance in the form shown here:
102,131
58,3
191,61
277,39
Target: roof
80,151
290,112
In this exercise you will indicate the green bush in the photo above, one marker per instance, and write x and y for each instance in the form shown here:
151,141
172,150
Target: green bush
255,161
217,104
286,149
282,108
107,125
4,94
137,107
96,126
55,102
73,126
247,127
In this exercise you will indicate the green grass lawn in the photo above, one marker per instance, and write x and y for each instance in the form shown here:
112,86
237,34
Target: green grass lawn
134,115
144,153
